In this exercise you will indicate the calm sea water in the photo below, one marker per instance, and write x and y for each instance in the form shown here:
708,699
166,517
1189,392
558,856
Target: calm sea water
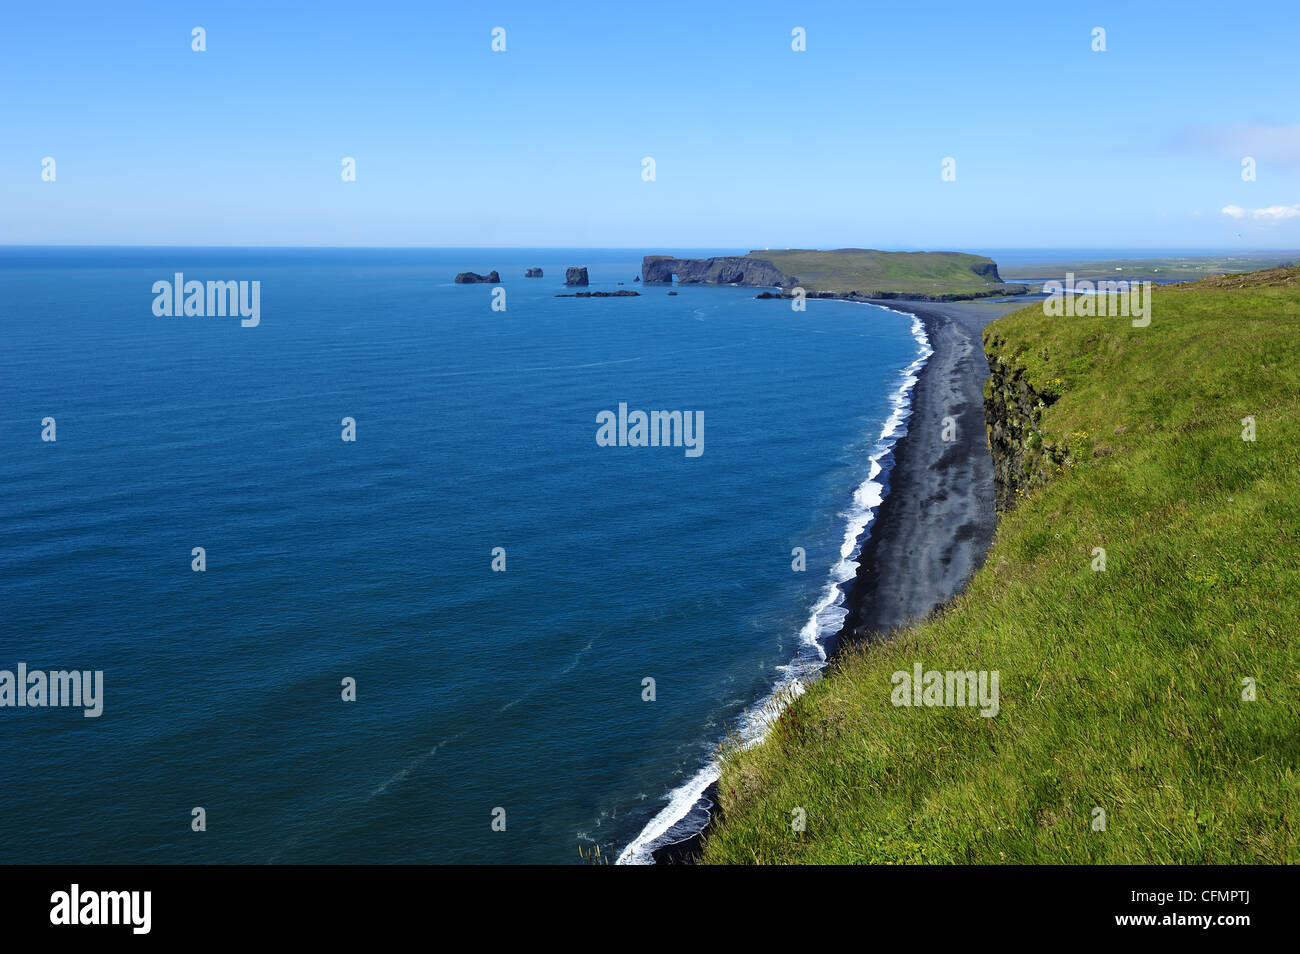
476,690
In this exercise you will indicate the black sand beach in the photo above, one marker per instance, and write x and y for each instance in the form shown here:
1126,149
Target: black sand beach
936,521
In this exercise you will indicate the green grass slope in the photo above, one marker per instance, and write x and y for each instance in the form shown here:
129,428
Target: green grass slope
1120,690
875,273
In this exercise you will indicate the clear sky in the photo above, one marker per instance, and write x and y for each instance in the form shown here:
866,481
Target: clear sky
755,144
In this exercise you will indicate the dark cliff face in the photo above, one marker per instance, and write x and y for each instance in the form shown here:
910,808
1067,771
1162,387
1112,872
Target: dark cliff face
473,278
987,271
1006,291
1013,410
575,276
727,270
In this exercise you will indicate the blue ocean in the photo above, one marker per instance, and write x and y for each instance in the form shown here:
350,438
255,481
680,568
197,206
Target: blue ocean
471,633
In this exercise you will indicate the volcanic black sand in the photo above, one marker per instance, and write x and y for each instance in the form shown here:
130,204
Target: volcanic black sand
936,520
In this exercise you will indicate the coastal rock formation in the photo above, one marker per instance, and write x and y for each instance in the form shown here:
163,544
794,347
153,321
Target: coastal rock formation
474,278
727,270
1006,291
1013,410
575,276
533,273
617,294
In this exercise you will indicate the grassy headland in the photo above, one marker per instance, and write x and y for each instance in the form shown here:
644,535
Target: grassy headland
1121,689
876,274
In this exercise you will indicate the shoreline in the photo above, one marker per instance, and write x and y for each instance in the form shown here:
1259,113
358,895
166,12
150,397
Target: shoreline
936,517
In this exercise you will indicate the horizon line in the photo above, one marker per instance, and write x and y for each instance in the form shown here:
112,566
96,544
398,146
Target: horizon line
621,248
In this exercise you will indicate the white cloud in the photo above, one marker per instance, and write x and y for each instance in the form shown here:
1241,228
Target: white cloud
1277,212
1271,215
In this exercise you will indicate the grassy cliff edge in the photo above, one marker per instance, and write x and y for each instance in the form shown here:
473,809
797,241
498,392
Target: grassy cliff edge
1122,689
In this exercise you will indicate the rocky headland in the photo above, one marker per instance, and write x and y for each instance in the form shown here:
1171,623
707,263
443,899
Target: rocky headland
726,270
852,274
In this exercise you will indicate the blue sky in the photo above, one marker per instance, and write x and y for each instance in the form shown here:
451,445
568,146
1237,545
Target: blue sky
755,145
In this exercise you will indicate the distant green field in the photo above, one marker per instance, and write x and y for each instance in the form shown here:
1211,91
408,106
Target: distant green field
1188,268
875,273
1121,689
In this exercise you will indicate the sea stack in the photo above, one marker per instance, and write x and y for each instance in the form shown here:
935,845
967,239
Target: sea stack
473,278
533,273
575,276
